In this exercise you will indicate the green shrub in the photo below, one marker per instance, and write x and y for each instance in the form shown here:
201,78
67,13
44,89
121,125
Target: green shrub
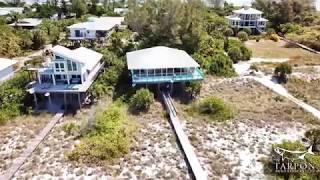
193,88
290,28
70,128
215,109
35,62
248,31
10,42
254,67
281,71
245,54
274,37
228,32
270,31
235,54
141,100
243,36
14,99
109,140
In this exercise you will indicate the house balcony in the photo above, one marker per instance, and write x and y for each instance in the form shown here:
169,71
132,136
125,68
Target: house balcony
167,77
79,36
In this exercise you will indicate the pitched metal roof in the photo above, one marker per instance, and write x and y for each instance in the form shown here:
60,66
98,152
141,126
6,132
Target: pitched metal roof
4,63
98,24
159,57
82,55
247,11
7,10
28,22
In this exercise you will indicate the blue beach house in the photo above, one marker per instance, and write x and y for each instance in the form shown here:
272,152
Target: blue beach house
161,64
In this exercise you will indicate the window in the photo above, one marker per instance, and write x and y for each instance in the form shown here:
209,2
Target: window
62,67
57,67
69,65
76,76
58,57
74,66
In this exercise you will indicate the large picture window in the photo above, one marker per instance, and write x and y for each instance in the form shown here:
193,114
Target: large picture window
59,67
74,66
69,65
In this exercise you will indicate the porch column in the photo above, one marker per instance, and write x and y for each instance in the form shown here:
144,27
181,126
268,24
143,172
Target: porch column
65,101
68,79
53,79
79,100
49,98
35,100
81,80
39,78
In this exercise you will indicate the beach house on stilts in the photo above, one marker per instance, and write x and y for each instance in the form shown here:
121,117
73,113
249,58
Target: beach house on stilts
66,79
162,65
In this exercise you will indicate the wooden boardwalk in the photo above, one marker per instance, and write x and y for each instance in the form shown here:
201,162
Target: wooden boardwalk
32,145
197,171
300,45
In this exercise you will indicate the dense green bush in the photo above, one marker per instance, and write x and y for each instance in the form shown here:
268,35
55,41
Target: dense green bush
291,28
217,64
243,36
274,37
193,88
214,108
233,51
109,140
14,99
110,77
281,71
228,32
235,54
9,43
71,128
248,31
38,39
141,100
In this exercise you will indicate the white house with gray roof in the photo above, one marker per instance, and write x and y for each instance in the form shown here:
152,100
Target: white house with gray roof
70,72
4,11
7,68
94,28
248,17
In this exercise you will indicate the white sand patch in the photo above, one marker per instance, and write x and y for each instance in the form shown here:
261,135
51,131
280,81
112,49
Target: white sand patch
241,145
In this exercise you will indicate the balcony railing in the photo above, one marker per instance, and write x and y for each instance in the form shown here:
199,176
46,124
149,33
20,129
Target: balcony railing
169,77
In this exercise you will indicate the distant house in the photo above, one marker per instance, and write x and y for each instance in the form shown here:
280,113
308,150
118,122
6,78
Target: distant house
70,73
27,23
162,65
4,11
248,17
94,28
121,11
6,68
214,3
